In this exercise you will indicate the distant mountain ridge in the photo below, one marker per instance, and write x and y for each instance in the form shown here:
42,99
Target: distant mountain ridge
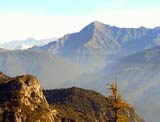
132,54
101,42
46,66
25,44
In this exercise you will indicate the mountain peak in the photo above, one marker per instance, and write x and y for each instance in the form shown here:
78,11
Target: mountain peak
94,25
98,24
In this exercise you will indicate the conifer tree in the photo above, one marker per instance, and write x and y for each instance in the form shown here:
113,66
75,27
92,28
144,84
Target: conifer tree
117,103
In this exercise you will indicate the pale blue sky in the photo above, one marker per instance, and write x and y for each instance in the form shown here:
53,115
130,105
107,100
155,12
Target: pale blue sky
54,18
72,7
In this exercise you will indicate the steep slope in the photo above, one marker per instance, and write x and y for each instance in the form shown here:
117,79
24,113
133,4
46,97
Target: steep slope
97,43
76,104
50,69
22,100
25,44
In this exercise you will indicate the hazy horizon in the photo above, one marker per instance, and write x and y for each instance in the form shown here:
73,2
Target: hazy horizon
45,19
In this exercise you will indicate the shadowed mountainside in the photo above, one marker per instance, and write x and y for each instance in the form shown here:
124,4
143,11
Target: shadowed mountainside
80,105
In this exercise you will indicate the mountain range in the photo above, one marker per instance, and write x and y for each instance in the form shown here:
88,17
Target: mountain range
94,57
107,51
97,44
25,44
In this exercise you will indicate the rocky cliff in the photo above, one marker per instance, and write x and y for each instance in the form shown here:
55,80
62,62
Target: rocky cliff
22,100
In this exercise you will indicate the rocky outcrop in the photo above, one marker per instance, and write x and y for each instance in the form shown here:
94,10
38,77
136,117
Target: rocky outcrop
22,100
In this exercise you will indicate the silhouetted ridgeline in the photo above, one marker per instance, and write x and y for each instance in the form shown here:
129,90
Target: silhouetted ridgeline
80,105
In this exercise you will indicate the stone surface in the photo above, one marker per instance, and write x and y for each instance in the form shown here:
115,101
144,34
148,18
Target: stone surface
22,100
